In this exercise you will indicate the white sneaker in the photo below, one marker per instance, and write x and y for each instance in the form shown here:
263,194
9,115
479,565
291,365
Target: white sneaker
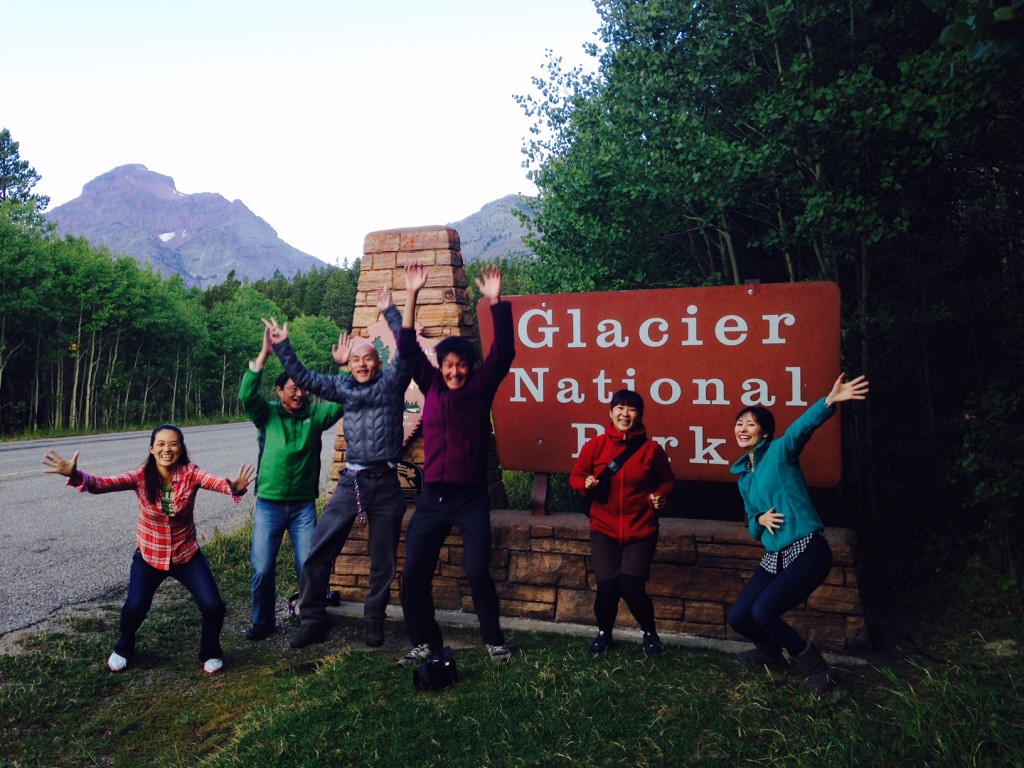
499,652
116,662
416,656
213,666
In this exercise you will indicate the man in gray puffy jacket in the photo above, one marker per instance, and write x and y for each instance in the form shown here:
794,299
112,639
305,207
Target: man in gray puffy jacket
368,490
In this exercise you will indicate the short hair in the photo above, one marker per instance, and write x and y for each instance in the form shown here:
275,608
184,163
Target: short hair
628,398
762,416
282,379
461,347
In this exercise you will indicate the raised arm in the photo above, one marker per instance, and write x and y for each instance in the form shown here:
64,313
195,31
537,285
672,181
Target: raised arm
253,402
265,352
415,279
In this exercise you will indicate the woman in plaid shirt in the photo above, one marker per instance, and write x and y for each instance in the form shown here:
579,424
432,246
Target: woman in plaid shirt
166,487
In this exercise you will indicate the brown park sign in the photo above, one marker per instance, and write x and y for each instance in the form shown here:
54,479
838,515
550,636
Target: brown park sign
696,355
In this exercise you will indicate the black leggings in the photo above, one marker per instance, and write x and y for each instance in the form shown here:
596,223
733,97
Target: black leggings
632,590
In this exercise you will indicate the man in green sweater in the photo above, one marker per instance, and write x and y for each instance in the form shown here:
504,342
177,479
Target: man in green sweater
288,481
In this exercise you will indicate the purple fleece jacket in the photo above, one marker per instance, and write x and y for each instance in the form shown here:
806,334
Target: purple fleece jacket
456,422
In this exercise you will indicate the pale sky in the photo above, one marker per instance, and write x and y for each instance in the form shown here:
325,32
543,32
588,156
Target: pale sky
327,118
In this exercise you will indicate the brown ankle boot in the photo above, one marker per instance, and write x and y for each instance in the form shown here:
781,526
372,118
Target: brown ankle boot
815,669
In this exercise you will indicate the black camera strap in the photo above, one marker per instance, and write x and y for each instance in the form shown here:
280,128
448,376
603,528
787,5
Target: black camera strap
605,478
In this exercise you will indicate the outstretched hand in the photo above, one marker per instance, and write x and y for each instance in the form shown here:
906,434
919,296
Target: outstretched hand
277,333
343,349
384,299
58,465
855,389
490,284
246,474
415,277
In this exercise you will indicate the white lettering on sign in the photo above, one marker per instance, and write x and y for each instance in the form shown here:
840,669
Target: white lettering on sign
704,451
773,327
696,356
537,329
528,386
583,433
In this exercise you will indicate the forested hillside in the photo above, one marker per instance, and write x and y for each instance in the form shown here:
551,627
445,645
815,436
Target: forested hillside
88,341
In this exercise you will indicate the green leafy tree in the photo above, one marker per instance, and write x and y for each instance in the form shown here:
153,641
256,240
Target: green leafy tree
338,301
312,337
17,180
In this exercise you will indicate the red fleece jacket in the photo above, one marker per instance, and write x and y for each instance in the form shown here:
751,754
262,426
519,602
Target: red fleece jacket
629,514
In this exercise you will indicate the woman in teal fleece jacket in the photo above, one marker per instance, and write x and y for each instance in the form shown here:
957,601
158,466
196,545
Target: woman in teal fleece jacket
781,515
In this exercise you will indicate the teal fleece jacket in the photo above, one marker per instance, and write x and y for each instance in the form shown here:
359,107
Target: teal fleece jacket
289,444
776,481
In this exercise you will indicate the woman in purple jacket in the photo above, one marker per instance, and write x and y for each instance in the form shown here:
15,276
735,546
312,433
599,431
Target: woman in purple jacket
456,426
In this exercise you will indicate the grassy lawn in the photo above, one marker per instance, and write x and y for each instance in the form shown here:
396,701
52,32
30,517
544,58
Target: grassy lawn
959,703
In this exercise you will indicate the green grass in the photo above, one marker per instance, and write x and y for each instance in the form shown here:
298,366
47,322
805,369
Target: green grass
340,704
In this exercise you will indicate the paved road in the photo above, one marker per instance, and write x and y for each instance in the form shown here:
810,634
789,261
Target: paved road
59,548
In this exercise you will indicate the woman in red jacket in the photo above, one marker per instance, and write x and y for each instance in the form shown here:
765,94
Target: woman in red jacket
628,480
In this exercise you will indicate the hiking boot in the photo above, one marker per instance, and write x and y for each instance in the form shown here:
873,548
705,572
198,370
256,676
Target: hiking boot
375,633
116,662
602,642
258,632
763,654
213,666
652,643
816,670
309,634
416,656
499,653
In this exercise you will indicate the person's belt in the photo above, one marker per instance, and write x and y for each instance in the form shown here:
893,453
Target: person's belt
377,470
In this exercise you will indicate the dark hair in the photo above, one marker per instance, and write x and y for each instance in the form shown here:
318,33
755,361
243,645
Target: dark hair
461,347
282,379
762,416
628,398
154,483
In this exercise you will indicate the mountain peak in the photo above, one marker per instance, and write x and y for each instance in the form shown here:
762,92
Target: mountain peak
202,237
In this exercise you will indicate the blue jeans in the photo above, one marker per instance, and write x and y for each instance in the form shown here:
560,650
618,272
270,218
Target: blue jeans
382,502
439,508
196,577
270,520
757,612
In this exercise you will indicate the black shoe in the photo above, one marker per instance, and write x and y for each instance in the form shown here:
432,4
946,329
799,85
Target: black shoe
601,642
652,643
307,635
259,631
375,633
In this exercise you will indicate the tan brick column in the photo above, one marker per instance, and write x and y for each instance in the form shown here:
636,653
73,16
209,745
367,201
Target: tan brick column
443,309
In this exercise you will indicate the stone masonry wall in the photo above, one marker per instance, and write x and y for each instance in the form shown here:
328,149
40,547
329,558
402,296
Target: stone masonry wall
540,565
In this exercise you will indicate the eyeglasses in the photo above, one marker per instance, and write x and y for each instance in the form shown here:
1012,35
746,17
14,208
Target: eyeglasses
291,389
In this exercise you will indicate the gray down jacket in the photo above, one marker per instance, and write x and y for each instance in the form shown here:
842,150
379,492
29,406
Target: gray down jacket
373,411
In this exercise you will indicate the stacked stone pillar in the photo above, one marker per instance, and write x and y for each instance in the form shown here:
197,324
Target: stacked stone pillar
443,305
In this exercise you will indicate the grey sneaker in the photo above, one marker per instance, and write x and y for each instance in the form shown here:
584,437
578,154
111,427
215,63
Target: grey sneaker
416,656
499,652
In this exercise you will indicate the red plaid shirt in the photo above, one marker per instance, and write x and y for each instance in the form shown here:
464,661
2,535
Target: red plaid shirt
163,539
